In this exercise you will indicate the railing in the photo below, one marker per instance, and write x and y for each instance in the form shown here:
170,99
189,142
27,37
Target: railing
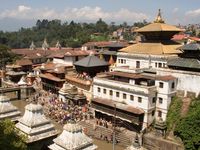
131,118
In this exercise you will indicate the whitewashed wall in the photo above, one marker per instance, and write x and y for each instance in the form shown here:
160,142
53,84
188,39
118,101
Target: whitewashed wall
187,81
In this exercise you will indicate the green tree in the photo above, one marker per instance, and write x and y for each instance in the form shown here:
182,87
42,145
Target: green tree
9,137
188,129
6,56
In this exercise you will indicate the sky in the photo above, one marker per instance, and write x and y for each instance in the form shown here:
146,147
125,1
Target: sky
15,14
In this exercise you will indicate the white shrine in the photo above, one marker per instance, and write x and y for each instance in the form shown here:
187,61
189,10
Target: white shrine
72,138
8,110
35,125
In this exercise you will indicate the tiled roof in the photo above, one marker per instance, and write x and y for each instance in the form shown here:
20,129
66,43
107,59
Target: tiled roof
153,48
91,61
191,46
121,106
51,77
165,78
78,80
158,27
23,62
107,44
184,62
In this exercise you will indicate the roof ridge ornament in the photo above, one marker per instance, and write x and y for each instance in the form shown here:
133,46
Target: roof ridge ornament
159,17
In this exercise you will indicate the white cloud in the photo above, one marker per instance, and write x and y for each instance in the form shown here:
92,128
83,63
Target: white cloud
22,8
175,10
80,14
193,13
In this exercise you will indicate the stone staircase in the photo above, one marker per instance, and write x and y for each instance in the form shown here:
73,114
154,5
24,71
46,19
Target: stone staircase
185,106
124,137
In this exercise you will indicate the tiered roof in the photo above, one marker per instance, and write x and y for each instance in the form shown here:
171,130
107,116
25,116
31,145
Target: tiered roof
157,35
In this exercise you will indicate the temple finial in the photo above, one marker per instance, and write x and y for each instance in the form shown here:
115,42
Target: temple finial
159,17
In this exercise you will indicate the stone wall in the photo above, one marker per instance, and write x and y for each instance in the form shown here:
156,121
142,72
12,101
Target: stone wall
156,143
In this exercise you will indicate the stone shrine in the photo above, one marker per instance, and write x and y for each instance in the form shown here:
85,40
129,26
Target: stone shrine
72,138
35,125
7,110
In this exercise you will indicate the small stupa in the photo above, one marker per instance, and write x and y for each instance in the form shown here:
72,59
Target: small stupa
58,45
135,145
32,46
8,110
22,81
64,91
35,125
72,138
45,45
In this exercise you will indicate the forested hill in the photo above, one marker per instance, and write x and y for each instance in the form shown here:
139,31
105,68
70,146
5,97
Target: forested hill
69,34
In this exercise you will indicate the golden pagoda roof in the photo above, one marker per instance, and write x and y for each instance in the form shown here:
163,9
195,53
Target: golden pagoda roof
158,48
159,25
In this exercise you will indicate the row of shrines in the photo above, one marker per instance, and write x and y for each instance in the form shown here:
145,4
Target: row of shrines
139,81
40,133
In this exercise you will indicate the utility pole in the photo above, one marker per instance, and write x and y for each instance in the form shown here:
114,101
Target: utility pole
114,127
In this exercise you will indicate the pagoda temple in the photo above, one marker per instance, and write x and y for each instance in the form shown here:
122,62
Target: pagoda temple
35,125
91,65
7,110
72,138
155,49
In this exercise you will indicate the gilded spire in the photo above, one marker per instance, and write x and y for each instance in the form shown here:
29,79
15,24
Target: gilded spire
159,18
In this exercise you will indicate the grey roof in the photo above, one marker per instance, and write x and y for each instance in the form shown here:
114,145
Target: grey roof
107,52
91,61
191,46
184,62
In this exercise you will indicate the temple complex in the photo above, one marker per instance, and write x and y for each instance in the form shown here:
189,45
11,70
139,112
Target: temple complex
72,138
133,92
7,110
35,125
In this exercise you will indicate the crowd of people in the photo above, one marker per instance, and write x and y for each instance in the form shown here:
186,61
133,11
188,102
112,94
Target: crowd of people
61,111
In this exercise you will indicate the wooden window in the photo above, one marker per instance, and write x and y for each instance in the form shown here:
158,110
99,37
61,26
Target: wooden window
99,89
161,84
159,65
140,99
154,100
159,113
119,60
124,61
156,64
131,97
117,94
111,93
104,91
160,100
173,85
137,64
153,113
124,96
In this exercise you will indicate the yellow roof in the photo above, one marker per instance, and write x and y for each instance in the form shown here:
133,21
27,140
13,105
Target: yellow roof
157,27
152,48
